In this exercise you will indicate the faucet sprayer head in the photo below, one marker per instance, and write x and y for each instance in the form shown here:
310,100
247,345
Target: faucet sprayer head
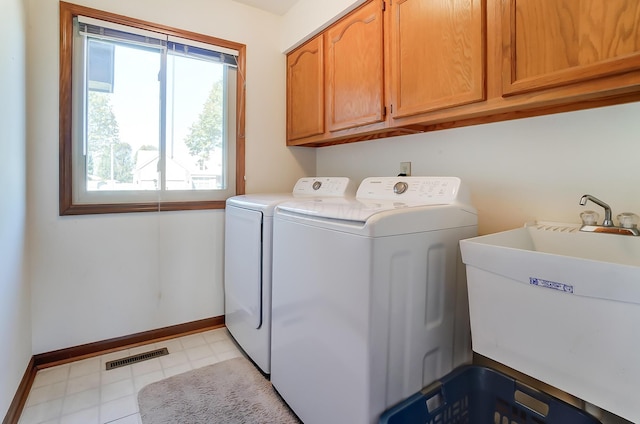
583,199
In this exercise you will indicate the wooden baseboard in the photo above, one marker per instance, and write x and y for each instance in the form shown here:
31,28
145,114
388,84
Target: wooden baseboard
63,356
15,409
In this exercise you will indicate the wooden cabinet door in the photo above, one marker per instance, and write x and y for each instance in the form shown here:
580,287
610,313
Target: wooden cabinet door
550,43
437,50
355,69
305,90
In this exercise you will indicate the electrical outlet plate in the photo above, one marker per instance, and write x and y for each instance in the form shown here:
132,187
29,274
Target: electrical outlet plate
405,168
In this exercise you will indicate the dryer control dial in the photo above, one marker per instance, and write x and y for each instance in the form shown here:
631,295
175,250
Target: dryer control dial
400,187
317,185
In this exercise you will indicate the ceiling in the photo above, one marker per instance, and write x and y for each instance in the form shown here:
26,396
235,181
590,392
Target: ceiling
278,7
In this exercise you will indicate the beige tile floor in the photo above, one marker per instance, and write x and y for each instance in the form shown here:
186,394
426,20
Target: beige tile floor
83,392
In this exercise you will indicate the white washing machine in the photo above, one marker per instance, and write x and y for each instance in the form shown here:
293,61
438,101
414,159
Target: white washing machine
248,253
369,296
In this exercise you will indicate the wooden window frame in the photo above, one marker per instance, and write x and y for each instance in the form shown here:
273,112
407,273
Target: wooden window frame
67,206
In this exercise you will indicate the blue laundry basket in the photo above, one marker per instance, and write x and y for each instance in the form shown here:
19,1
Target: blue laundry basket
480,395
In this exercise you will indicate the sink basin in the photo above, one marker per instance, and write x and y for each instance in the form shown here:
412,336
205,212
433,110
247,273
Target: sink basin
562,306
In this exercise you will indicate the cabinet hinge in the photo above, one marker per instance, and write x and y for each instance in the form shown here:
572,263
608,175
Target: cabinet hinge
384,111
384,6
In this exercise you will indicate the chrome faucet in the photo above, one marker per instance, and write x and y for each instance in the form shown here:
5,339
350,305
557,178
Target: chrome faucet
627,220
607,222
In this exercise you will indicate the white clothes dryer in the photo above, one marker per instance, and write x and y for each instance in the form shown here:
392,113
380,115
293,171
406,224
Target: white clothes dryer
248,253
369,296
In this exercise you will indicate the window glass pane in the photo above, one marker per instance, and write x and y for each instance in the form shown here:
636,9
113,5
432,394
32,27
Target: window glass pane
123,119
195,124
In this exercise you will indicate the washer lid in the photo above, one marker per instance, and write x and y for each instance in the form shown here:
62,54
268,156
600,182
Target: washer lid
259,202
342,209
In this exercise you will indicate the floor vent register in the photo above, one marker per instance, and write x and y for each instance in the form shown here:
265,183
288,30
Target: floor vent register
136,358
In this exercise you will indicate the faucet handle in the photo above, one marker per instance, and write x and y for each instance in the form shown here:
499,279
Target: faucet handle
589,217
628,220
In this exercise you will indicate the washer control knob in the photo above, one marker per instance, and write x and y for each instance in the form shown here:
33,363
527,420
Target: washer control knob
400,187
317,185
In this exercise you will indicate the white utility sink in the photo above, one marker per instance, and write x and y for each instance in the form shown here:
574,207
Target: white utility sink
562,306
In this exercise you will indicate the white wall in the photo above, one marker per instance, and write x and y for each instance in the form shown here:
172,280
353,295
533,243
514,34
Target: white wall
521,170
307,17
15,307
104,276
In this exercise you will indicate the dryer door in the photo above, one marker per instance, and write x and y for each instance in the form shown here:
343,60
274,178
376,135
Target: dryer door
243,266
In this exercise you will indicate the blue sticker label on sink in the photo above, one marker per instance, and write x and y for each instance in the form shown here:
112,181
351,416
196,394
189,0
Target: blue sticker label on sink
551,284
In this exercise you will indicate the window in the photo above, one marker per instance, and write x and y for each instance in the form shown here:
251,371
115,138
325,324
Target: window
151,117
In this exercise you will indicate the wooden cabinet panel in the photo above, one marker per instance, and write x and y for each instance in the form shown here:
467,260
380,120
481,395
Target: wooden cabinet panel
355,69
438,64
550,43
305,90
437,54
